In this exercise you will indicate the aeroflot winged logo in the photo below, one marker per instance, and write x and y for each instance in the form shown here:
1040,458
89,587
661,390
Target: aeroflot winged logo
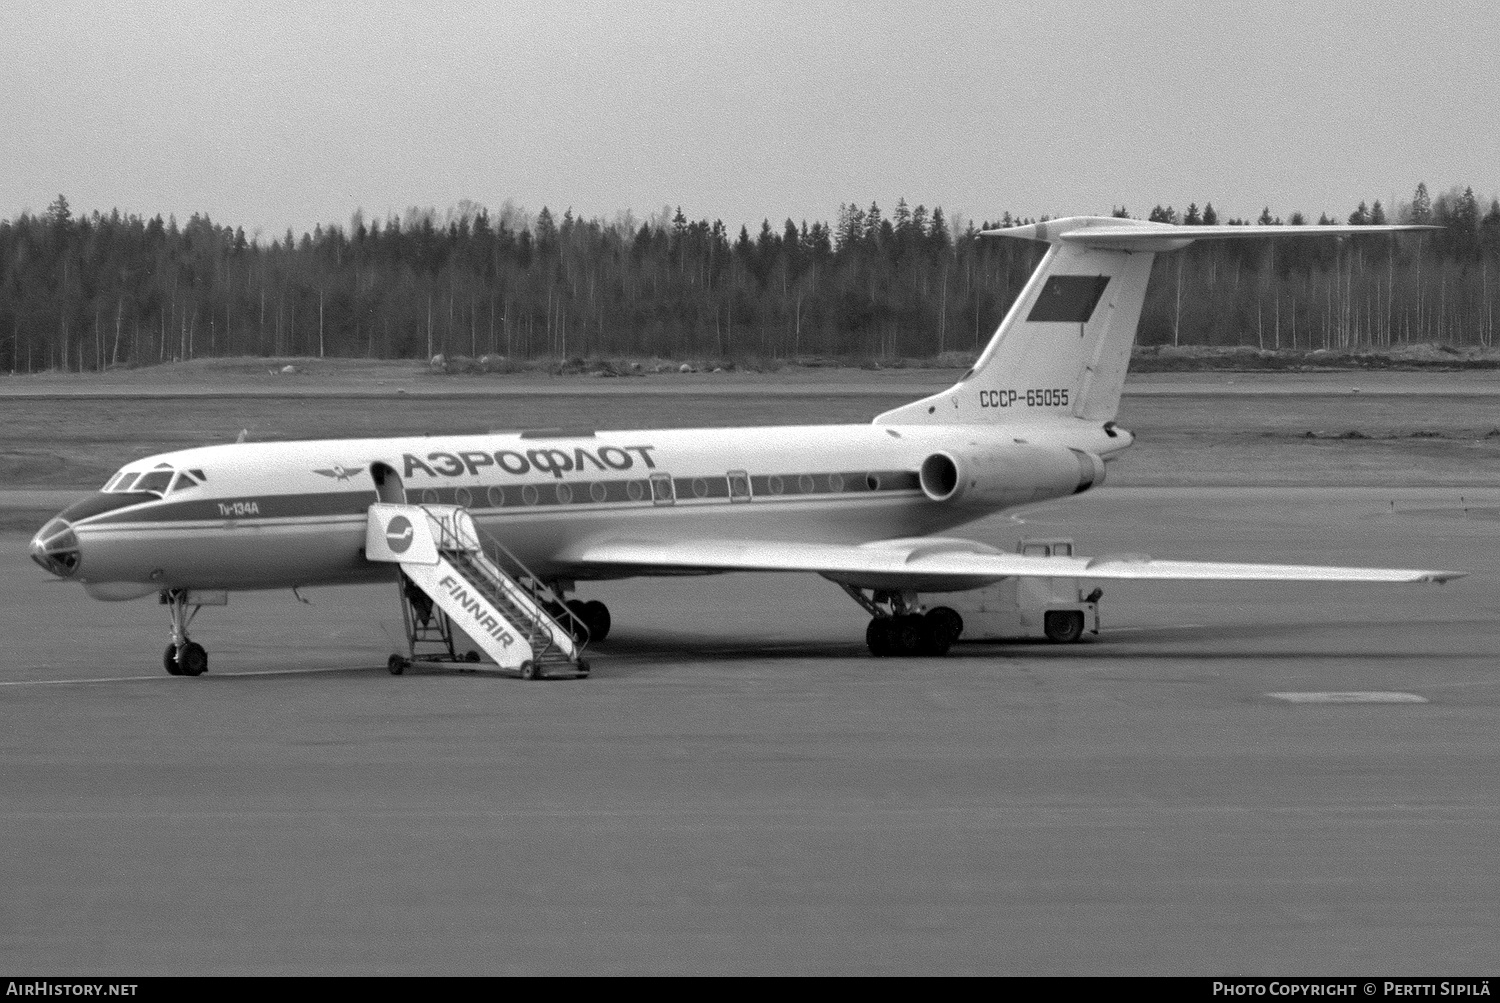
339,473
398,534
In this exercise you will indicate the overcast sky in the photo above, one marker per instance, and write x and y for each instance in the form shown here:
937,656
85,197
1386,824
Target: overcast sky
269,115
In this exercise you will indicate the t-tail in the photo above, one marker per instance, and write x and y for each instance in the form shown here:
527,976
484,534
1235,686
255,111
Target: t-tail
1064,345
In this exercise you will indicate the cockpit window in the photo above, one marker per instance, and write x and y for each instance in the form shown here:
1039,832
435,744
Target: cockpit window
183,481
114,482
155,480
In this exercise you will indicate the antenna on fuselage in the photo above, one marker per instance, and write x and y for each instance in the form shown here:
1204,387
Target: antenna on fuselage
244,434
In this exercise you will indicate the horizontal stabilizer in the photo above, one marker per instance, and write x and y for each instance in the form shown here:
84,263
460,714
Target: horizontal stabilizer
1109,233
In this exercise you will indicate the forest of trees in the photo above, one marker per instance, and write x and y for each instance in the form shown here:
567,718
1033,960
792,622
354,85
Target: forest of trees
85,293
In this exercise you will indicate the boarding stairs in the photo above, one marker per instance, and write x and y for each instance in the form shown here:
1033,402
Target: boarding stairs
455,575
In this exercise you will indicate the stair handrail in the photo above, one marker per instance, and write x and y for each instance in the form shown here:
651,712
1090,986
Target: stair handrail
527,580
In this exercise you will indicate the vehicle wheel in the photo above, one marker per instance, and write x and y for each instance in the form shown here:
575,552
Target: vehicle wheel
472,656
596,616
907,635
878,636
395,665
169,661
583,667
944,626
194,660
1063,626
528,670
578,608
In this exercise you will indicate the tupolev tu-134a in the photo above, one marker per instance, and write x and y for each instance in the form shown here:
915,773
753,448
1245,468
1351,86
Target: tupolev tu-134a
489,533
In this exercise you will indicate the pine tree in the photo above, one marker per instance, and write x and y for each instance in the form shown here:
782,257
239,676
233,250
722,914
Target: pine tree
1421,205
58,213
873,225
938,237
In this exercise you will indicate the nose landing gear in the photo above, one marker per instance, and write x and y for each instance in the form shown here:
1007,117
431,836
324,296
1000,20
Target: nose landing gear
183,657
191,661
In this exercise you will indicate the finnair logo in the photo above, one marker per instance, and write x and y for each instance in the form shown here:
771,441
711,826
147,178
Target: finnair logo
398,534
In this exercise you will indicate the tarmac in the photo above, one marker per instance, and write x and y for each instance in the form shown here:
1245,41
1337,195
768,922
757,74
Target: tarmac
1229,779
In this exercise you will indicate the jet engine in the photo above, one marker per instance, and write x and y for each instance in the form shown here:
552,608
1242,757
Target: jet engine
1012,474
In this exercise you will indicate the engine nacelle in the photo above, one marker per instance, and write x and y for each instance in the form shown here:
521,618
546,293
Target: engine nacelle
1013,474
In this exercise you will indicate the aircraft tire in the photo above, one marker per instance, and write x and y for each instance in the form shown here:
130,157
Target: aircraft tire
194,659
908,635
395,665
579,609
1063,626
596,617
169,661
943,626
878,636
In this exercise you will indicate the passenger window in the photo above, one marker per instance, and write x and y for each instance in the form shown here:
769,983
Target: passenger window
1062,550
1035,550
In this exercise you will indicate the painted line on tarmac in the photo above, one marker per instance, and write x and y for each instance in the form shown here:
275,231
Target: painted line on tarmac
1357,696
1170,626
163,677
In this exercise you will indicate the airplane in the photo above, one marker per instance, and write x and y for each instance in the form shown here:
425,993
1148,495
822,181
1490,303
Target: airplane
490,533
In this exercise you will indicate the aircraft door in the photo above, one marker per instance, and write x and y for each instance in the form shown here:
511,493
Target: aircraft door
388,486
661,489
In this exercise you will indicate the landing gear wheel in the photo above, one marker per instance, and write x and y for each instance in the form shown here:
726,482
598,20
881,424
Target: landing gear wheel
529,670
596,617
1063,626
395,665
169,661
943,626
908,635
878,636
579,621
192,660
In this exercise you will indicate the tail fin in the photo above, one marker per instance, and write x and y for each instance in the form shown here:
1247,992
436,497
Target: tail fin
1064,346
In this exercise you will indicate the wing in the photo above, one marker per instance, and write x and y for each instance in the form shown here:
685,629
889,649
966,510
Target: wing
936,564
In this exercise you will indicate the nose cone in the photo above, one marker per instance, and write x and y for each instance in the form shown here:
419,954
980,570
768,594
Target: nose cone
55,547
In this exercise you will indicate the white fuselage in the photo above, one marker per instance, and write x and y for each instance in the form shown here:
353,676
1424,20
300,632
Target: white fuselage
284,514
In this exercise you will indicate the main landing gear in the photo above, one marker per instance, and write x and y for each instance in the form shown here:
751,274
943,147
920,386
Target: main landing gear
899,627
183,657
591,616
